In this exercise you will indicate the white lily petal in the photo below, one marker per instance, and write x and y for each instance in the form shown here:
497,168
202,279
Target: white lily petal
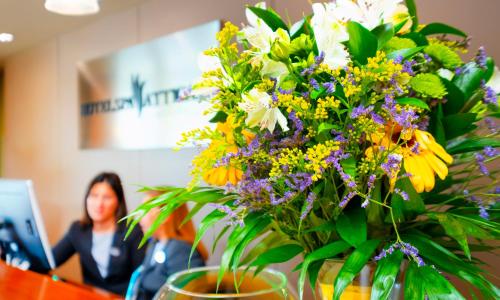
494,81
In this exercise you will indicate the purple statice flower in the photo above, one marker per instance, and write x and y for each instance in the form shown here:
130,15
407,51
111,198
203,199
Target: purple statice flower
406,248
481,57
406,118
334,158
401,193
408,67
458,71
393,165
415,148
490,96
305,94
310,201
377,118
398,59
307,71
299,181
360,111
274,97
285,92
482,166
427,58
371,181
329,86
314,83
347,198
483,213
490,151
491,124
423,124
320,58
389,104
233,216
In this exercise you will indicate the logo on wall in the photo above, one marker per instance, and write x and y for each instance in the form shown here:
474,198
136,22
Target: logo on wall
136,98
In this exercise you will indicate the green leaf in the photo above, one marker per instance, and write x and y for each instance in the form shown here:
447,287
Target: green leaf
406,209
418,38
469,145
428,84
413,102
413,283
298,28
207,222
455,97
220,117
412,10
327,126
440,28
269,17
469,80
436,286
278,255
454,229
385,275
353,265
328,251
351,226
251,235
436,125
315,94
362,43
405,53
458,124
349,166
383,33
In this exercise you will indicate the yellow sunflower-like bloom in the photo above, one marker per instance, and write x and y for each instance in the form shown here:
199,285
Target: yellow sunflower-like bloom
221,175
422,156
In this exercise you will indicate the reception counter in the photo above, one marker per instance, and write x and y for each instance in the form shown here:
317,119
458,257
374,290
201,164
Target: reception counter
16,284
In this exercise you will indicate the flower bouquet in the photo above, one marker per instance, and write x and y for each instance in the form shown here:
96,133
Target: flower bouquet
356,133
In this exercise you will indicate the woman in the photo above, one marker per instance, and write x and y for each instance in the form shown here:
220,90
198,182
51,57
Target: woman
168,251
107,260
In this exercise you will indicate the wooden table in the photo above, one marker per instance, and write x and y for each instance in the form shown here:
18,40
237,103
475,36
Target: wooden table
16,284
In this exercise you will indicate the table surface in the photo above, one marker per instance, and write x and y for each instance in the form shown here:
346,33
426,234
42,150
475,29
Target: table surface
16,284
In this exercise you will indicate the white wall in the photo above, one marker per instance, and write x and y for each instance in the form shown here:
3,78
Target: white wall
41,104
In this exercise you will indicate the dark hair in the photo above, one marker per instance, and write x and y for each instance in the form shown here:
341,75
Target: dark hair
114,181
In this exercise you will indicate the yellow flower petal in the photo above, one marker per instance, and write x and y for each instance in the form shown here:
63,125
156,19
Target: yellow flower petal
232,176
415,178
426,140
436,164
426,173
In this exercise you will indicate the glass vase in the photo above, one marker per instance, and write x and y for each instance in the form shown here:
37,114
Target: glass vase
361,286
201,283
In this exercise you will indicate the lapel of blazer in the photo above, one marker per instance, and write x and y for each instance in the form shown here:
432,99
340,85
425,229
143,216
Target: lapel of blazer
117,250
88,258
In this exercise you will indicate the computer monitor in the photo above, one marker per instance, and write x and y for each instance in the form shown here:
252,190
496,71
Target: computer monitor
22,221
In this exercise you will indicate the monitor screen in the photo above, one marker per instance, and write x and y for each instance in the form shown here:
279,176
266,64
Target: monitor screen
21,216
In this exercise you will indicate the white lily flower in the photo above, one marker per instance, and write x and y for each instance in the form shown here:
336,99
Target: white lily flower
330,32
257,105
369,13
273,69
258,33
494,82
445,73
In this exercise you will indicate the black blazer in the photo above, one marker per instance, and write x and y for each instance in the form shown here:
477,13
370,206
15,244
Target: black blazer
125,256
153,276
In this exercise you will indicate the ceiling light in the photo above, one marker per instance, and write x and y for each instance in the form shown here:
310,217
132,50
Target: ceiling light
72,7
6,37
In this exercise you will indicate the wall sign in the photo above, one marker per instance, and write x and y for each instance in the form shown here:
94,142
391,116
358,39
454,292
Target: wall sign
132,99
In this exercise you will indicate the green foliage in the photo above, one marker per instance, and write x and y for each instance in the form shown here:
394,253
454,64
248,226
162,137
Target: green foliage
428,85
386,275
444,55
397,43
362,43
440,28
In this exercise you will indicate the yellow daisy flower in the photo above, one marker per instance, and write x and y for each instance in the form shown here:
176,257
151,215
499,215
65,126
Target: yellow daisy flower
423,157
